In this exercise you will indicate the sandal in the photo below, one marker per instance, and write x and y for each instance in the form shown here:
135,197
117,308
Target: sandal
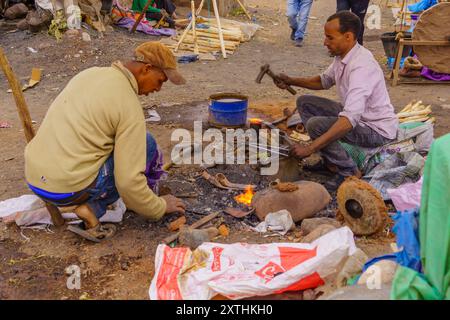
96,234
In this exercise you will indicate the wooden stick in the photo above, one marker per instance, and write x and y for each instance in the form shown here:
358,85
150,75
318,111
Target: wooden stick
403,14
194,33
188,27
414,113
161,21
195,225
16,88
25,118
139,19
245,10
412,119
216,13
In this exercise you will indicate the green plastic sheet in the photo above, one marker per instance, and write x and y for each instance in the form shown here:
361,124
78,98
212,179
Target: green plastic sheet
434,232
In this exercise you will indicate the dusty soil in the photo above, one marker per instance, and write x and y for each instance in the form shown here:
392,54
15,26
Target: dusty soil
123,267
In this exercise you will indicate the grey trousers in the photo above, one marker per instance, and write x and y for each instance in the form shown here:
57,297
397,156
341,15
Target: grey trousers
318,116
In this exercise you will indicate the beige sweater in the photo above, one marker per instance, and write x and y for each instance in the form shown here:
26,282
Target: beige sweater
98,112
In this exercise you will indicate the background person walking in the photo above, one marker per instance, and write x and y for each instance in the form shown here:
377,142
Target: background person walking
358,7
298,14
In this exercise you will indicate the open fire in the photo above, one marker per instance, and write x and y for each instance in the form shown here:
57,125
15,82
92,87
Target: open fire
256,121
246,197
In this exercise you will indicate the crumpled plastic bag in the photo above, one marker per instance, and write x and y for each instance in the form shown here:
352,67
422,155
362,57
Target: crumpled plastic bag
406,196
241,270
280,222
398,169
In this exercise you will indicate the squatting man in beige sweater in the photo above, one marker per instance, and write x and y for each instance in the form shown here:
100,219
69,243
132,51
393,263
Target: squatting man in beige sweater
92,146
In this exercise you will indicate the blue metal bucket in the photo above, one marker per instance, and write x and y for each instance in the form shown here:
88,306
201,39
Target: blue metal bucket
228,110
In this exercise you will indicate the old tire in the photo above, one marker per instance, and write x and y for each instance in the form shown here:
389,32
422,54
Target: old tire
362,207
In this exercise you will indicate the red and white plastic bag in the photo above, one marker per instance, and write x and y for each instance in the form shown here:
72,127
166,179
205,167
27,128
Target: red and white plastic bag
243,270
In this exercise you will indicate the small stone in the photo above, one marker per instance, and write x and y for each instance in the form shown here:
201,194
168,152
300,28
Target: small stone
86,37
309,295
76,55
308,225
72,33
124,266
385,269
318,232
193,238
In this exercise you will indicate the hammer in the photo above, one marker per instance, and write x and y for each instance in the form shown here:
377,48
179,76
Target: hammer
265,69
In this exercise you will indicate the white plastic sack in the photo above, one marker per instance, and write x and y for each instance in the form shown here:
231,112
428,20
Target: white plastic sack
22,203
242,270
29,210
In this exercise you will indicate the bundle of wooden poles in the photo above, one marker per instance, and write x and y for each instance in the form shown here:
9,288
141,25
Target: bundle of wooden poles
416,111
206,35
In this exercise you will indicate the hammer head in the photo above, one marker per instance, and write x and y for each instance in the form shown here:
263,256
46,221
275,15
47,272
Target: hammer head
264,69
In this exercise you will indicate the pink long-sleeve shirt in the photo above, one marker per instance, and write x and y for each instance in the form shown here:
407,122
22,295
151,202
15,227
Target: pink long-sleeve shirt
362,89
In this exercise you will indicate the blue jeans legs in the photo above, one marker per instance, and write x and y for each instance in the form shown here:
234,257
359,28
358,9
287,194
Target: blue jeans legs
298,14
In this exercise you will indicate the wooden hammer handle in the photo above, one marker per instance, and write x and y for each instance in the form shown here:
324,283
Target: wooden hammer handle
274,77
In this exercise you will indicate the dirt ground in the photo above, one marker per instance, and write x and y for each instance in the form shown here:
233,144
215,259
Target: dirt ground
123,267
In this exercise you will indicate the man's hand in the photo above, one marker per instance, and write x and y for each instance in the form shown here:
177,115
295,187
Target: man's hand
174,204
282,81
300,151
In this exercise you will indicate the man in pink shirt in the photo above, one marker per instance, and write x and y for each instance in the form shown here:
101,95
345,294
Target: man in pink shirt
365,117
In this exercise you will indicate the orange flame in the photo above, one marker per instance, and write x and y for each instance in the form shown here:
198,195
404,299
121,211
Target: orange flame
255,121
246,197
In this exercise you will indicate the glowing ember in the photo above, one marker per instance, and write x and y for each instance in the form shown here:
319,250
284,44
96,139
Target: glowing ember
246,197
255,121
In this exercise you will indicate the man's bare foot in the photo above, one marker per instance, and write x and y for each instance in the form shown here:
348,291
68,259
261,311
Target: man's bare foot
87,215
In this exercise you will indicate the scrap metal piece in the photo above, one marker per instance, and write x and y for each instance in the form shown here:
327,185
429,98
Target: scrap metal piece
362,207
237,213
